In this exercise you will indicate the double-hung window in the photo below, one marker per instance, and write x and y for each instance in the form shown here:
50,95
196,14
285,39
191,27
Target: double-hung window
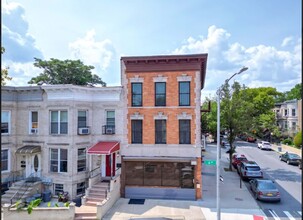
81,159
136,94
80,188
5,122
160,94
136,131
184,131
184,93
82,119
160,131
58,188
4,160
110,119
59,122
33,126
58,160
293,112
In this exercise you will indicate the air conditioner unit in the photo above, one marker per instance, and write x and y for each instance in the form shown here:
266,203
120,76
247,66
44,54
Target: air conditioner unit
109,131
34,130
83,131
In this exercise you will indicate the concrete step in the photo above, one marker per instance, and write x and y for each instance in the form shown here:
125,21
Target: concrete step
90,216
101,195
91,203
97,199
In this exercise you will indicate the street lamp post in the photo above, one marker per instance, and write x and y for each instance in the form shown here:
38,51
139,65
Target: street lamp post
218,141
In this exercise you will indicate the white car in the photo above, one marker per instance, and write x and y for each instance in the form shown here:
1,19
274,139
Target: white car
264,145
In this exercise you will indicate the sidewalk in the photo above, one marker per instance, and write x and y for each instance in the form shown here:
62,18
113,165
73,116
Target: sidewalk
236,203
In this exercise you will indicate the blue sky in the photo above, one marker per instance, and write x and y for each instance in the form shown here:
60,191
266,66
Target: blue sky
265,36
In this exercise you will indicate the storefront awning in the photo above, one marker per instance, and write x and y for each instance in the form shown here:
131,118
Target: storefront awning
104,148
28,149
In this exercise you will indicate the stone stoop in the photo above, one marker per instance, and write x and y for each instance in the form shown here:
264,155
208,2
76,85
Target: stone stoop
97,193
17,187
86,212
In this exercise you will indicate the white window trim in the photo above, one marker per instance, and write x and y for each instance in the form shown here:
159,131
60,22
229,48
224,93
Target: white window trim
9,122
8,161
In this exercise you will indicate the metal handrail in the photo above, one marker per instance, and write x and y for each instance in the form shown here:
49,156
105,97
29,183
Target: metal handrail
92,172
13,176
34,174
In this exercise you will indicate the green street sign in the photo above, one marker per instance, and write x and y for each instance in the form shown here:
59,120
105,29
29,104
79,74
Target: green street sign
210,162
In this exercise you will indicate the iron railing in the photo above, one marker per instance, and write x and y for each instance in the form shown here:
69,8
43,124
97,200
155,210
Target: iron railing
33,177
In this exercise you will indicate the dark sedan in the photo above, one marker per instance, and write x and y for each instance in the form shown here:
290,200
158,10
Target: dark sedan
265,190
290,158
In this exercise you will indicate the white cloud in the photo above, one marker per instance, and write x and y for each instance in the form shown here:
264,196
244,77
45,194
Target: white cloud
92,52
268,66
19,44
21,72
286,41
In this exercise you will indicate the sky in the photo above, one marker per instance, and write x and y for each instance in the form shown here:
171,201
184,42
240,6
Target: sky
265,36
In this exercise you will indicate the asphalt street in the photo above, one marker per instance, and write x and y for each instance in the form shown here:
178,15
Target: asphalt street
288,179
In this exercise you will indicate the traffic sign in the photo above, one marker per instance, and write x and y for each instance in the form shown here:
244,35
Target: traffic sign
210,162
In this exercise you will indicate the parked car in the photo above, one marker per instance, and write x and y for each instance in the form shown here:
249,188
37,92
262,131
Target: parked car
300,165
249,170
264,145
265,190
290,158
237,158
251,139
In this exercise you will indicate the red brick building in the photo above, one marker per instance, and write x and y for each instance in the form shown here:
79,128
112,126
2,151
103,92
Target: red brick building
161,152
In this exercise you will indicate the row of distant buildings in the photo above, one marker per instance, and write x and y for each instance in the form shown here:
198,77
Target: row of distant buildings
148,129
289,117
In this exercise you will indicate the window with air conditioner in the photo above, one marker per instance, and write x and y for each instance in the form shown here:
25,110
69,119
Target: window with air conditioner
33,125
82,119
83,131
110,122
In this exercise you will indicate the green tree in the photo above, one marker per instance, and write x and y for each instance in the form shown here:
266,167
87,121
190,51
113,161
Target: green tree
295,93
258,104
4,72
298,140
232,114
65,72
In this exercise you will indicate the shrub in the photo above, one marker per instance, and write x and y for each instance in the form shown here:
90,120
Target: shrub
287,141
298,140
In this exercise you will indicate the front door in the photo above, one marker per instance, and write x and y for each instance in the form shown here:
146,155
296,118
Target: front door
108,165
33,165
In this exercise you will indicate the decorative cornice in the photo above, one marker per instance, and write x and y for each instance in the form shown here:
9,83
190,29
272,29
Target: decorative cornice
184,115
136,79
160,78
136,116
160,116
183,78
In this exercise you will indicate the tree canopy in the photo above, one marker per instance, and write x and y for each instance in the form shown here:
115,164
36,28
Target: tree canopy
4,72
65,72
294,93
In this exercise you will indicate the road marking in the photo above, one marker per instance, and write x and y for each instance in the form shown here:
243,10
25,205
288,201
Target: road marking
289,215
273,214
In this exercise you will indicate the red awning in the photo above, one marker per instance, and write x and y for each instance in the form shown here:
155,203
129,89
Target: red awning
104,148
